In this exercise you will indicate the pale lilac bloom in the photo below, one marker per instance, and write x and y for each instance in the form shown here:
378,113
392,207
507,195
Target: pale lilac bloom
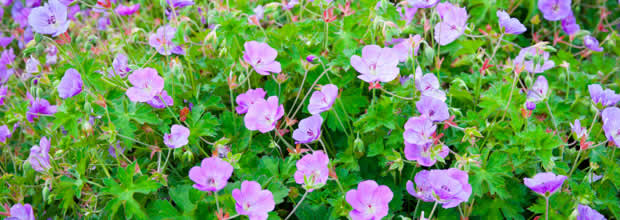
448,187
70,84
177,137
212,174
5,73
546,64
39,107
259,13
50,18
262,57
161,102
369,201
545,184
25,38
39,157
162,41
428,85
103,22
312,170
253,201
554,10
247,99
125,10
539,90
323,100
406,13
433,108
180,3
423,154
146,84
309,130
569,24
376,64
20,13
422,3
4,41
5,133
406,47
21,212
263,115
584,212
419,130
7,57
605,97
611,124
32,65
452,25
290,4
120,66
115,150
51,56
3,91
592,43
510,25
577,129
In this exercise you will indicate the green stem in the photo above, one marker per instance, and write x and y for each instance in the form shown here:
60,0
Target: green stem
297,206
432,210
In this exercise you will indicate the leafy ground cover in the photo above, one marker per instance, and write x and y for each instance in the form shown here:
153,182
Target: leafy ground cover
309,109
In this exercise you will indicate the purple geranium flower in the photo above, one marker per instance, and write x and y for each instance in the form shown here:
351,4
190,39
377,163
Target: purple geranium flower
39,157
407,13
3,91
309,130
584,212
51,56
177,137
21,212
125,10
120,66
369,200
32,65
539,90
433,108
428,85
290,4
554,10
406,47
569,24
7,57
577,129
212,174
103,23
162,41
422,3
5,133
39,107
115,150
4,41
545,184
423,154
161,102
262,57
253,201
323,100
263,115
452,26
419,130
20,13
5,74
510,25
449,187
602,97
70,84
248,98
180,3
146,84
376,64
312,170
50,18
611,124
592,43
545,64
